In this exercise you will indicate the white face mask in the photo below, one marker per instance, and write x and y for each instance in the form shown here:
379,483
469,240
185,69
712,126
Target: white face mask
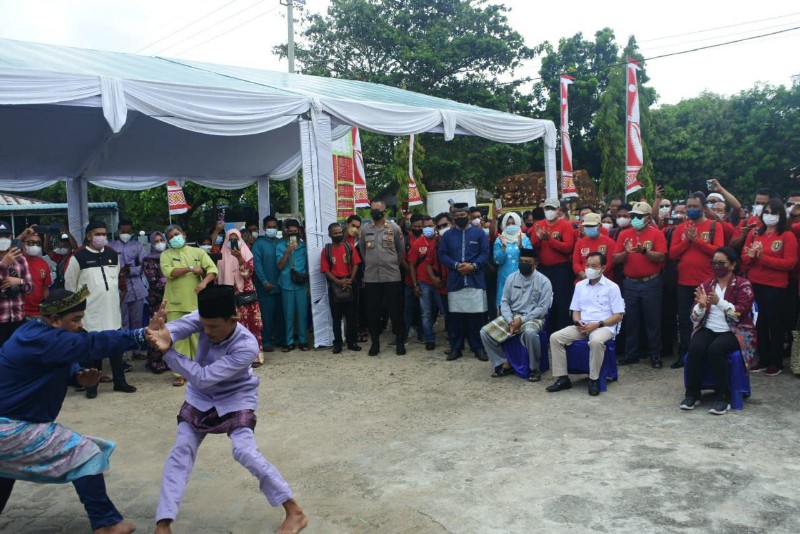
663,211
162,246
61,251
5,243
757,209
476,221
33,251
789,211
770,219
591,274
623,222
550,214
207,248
124,237
442,231
608,226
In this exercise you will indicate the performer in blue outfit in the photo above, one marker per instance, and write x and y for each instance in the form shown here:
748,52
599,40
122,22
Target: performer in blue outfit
37,365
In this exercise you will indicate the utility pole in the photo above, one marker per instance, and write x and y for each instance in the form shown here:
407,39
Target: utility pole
293,186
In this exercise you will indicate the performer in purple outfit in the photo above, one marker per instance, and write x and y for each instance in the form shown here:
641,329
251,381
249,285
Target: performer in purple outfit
221,397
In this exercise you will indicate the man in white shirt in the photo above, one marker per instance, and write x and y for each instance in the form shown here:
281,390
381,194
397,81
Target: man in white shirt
597,307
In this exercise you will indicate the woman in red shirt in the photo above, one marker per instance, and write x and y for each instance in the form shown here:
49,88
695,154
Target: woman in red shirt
770,253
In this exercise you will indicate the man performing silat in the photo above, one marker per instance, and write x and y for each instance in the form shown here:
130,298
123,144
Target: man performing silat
222,397
36,366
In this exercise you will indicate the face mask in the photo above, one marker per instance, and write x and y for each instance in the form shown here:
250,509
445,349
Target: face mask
33,251
528,224
512,229
207,248
694,213
550,214
721,272
789,211
271,233
592,274
218,240
608,226
177,242
757,209
162,246
623,222
663,211
377,215
353,231
486,231
461,222
428,232
591,231
61,251
124,237
442,231
770,219
637,223
5,243
416,231
99,241
525,269
337,239
476,221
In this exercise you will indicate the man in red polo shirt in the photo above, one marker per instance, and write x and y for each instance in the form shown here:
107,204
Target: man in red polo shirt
555,239
693,245
421,256
339,263
594,241
641,250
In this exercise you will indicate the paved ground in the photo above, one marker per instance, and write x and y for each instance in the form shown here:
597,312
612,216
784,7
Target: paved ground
417,444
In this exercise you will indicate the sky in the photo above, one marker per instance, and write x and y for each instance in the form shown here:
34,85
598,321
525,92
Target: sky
244,32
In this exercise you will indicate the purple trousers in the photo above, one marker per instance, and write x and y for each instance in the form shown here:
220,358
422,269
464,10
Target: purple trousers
132,314
180,462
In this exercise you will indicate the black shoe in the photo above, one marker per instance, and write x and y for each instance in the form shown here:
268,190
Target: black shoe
689,403
337,348
91,392
562,382
454,355
656,364
594,387
375,348
627,361
400,346
677,364
125,388
430,346
353,346
720,407
481,355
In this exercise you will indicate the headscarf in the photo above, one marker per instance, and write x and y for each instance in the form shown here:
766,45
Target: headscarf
508,220
229,265
154,254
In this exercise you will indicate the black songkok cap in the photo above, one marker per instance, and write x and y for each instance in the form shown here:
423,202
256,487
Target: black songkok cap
218,301
94,224
62,301
528,253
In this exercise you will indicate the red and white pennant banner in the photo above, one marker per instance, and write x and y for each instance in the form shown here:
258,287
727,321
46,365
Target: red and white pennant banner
634,154
177,202
359,179
568,188
414,198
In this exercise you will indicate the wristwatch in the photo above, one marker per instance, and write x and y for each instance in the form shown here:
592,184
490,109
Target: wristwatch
601,324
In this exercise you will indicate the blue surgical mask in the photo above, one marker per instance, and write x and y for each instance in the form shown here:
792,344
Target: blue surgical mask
694,213
271,233
177,241
637,223
512,229
428,231
219,240
591,231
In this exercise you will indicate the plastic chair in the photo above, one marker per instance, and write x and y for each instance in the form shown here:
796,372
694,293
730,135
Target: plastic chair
517,354
578,361
738,379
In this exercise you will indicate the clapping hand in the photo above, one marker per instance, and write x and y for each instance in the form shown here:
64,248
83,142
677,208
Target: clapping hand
713,298
542,235
628,246
700,297
88,378
691,233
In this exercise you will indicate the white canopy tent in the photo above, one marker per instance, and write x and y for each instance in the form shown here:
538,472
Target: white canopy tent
133,122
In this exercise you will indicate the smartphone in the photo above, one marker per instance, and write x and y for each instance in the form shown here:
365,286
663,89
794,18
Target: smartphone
16,243
451,201
39,229
293,239
672,221
660,183
221,216
710,185
498,203
235,244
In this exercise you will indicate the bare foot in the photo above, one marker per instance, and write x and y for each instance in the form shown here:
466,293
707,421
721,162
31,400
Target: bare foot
163,527
123,527
295,520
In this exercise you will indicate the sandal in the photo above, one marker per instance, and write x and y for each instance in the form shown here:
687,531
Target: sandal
178,381
304,347
287,348
536,376
363,337
503,371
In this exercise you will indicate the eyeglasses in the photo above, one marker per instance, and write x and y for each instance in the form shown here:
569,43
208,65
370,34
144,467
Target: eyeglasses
665,206
33,243
719,263
638,216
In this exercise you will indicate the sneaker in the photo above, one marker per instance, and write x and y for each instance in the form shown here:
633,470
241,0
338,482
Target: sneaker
773,370
757,368
719,408
689,403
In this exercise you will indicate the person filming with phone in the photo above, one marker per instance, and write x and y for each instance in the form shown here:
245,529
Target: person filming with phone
15,282
293,279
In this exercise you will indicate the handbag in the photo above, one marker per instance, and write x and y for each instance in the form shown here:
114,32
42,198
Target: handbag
245,297
298,278
341,294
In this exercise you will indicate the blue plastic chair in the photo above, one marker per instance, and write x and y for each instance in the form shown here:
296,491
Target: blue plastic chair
578,361
517,354
738,379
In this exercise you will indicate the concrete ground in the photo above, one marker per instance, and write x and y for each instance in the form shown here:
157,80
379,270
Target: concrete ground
413,443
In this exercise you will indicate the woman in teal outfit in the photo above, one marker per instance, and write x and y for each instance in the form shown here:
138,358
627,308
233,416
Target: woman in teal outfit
506,251
291,254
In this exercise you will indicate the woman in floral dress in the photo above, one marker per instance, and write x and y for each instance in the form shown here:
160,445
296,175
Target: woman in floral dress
155,294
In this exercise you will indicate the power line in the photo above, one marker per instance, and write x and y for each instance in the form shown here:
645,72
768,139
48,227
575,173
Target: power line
195,21
717,28
195,34
201,43
715,37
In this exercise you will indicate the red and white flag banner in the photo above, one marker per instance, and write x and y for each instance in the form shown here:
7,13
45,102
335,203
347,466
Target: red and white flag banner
359,177
634,154
414,198
568,188
177,202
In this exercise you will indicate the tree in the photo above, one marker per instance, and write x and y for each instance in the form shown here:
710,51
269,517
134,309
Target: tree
454,49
